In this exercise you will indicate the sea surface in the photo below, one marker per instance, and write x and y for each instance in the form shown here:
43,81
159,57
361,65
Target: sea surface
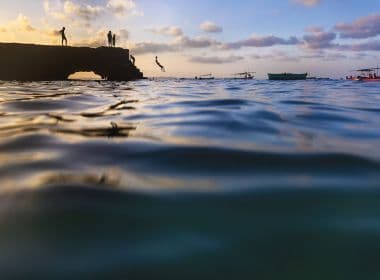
183,179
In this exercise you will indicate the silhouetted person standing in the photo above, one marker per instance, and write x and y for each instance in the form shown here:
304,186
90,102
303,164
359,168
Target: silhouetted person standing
133,59
63,36
114,40
109,36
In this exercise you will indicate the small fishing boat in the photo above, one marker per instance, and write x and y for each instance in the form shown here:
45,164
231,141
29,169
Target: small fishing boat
245,76
365,75
287,76
205,77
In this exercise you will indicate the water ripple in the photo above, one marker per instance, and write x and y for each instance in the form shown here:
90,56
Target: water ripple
184,179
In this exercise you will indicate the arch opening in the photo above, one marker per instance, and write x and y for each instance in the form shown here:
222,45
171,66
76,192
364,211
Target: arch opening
85,76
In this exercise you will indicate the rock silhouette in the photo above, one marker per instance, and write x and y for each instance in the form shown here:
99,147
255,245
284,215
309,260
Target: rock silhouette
26,62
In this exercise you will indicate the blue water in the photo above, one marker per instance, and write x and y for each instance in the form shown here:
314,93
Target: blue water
183,179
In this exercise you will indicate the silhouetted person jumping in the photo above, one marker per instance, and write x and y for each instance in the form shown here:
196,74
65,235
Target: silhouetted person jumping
160,65
109,36
114,40
133,59
63,36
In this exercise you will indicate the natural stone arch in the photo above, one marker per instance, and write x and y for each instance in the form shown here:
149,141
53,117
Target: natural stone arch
39,63
84,75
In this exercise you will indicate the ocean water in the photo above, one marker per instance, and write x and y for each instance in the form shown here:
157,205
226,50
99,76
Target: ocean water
183,179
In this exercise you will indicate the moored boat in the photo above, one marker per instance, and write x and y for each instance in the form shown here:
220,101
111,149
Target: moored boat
366,75
287,76
245,76
369,79
205,77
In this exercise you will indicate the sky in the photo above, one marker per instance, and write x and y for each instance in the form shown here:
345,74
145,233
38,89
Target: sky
321,37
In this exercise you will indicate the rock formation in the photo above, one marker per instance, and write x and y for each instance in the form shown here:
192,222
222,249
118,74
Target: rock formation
24,62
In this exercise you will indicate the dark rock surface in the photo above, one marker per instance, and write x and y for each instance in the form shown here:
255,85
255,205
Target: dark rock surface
24,62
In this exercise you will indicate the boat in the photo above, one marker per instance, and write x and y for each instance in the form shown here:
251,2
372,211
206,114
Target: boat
205,77
287,76
366,75
245,76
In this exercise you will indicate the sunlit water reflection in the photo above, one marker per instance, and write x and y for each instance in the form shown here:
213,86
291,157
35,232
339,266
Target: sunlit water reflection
182,179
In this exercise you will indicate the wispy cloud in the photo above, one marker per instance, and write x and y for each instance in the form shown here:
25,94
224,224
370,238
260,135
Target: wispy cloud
20,24
319,39
180,43
123,33
365,27
167,30
308,3
73,10
373,45
185,42
197,42
277,55
23,27
211,27
153,47
23,23
99,38
96,40
122,8
320,55
76,10
261,41
215,59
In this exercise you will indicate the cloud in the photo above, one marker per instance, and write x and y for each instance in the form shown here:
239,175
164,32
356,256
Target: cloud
122,8
211,27
261,41
77,10
167,31
83,11
123,33
186,42
180,43
314,29
197,42
308,3
22,29
23,23
277,55
362,56
99,38
365,27
151,47
95,41
373,45
326,56
215,59
54,9
73,10
334,56
20,24
319,39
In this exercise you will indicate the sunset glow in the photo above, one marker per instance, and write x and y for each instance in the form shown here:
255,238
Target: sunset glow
198,37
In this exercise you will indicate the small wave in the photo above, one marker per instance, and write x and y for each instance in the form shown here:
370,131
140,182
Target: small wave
213,103
65,231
